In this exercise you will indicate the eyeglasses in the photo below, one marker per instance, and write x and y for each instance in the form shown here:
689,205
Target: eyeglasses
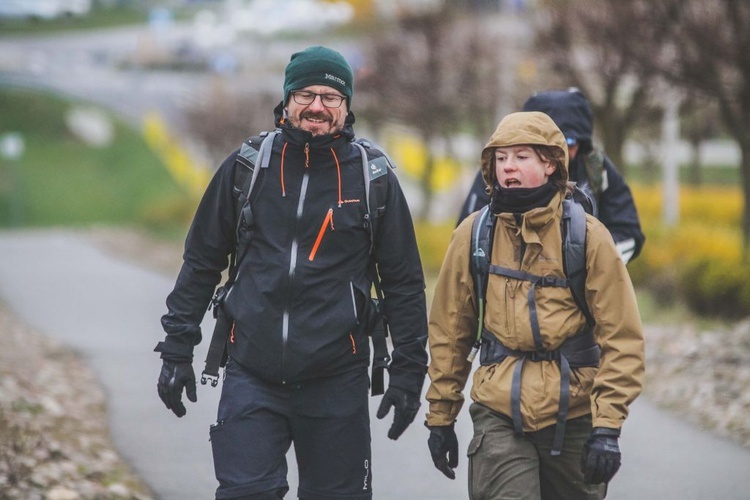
305,98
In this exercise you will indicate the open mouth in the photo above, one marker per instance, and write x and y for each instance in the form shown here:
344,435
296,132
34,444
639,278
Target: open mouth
318,119
512,183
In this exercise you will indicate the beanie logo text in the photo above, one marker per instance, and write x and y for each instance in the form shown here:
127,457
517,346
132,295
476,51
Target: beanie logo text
335,79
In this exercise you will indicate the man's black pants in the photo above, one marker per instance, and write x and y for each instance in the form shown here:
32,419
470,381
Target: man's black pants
327,419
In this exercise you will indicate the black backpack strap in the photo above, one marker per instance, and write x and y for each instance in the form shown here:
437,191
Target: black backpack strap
374,171
254,155
482,229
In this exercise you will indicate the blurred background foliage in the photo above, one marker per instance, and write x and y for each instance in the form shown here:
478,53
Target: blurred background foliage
63,180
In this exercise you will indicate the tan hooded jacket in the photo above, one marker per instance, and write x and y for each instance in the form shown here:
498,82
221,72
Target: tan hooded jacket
606,391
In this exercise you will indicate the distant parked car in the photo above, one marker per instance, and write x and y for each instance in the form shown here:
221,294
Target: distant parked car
43,9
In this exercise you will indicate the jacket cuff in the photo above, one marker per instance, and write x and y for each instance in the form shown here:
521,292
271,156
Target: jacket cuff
408,381
442,413
605,432
172,351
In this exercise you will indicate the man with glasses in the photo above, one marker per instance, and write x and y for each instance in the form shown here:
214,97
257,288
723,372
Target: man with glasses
298,354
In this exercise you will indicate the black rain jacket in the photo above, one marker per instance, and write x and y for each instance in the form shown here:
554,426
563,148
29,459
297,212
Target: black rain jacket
302,285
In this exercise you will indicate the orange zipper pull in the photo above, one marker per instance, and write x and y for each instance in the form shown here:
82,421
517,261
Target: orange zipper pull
328,220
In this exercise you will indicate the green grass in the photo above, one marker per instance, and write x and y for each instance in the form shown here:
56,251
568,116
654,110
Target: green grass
60,180
99,17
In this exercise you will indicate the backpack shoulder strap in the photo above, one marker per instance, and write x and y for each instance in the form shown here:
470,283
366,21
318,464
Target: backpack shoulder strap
253,157
482,229
375,167
574,253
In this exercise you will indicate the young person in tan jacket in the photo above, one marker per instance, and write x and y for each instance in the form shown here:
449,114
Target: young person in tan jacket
551,392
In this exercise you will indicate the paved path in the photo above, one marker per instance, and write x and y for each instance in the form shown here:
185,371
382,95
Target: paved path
109,311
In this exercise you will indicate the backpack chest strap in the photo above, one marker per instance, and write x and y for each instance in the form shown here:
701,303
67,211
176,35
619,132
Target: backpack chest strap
535,280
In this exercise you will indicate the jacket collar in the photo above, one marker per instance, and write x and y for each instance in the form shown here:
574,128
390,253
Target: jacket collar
535,218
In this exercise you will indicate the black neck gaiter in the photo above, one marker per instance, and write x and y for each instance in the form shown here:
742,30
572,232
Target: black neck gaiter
521,200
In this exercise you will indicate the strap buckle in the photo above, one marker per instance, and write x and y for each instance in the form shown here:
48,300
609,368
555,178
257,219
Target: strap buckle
543,356
205,377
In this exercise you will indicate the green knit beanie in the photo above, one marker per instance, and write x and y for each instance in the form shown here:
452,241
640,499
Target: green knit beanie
319,66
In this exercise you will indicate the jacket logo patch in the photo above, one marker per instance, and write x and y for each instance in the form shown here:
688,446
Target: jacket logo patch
378,167
350,201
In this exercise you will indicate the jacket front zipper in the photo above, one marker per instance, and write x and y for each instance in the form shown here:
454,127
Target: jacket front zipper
292,269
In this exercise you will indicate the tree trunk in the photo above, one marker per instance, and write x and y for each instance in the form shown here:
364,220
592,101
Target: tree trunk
696,173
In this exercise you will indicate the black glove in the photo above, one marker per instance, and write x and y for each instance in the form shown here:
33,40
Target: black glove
173,378
443,445
601,456
406,406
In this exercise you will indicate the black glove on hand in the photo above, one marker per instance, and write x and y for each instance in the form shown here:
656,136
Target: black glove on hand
601,456
406,406
173,378
443,445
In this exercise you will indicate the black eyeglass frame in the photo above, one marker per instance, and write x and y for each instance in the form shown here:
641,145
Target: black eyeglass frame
310,98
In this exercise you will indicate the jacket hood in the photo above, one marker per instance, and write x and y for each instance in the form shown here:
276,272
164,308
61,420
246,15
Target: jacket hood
569,109
525,127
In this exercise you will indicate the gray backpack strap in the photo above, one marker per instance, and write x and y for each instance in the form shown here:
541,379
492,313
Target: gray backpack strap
250,156
574,253
253,160
376,189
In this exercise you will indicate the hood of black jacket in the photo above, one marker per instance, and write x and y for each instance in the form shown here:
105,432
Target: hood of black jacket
569,109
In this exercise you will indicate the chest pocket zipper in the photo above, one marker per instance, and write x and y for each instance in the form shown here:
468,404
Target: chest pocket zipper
328,220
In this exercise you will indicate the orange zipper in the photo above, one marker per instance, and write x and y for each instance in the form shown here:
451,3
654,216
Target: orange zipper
354,344
326,221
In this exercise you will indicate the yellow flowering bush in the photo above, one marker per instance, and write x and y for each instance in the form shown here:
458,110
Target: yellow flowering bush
433,240
701,258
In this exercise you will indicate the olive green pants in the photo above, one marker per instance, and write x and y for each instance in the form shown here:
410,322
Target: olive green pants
503,466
